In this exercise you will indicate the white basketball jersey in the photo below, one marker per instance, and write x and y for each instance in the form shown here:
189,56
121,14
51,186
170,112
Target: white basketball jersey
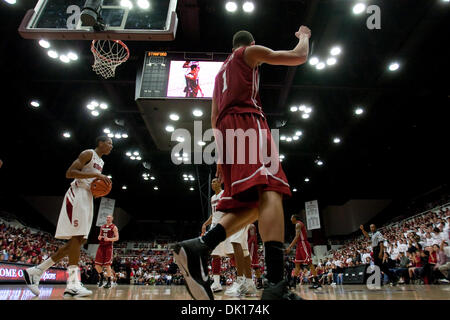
216,215
93,166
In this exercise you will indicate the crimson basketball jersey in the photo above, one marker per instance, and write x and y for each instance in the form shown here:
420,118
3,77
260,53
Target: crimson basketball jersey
108,232
303,234
236,88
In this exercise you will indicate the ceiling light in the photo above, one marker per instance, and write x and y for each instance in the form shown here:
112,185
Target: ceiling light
305,116
126,4
95,113
283,138
313,61
35,104
64,59
66,135
394,66
184,175
180,139
124,135
298,133
90,107
306,179
174,117
155,188
197,113
103,106
231,6
319,162
133,158
152,178
146,178
308,110
359,111
52,54
106,130
335,51
201,143
294,109
109,176
320,66
337,140
138,158
192,179
136,153
143,4
192,189
11,1
72,56
302,107
118,136
359,8
331,61
294,190
295,138
180,159
124,187
128,154
248,6
170,129
282,156
289,139
44,44
186,179
110,135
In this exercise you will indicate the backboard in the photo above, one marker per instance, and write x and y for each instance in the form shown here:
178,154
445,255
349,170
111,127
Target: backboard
150,20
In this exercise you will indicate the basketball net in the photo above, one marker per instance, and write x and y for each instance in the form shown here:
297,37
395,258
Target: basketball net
108,55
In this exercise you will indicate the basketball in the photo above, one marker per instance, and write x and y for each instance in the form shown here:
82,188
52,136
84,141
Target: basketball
99,188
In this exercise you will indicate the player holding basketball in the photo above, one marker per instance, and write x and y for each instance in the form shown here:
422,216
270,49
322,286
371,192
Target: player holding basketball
75,218
253,191
303,253
104,257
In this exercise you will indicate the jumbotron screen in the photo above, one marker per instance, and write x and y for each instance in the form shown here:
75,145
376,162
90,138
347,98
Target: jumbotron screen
174,75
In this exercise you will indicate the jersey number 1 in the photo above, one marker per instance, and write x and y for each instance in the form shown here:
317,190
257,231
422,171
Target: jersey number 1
224,81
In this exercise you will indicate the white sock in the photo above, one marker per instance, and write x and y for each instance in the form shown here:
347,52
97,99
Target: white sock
216,279
46,264
73,275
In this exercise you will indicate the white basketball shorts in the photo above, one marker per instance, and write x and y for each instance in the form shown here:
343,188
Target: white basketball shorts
77,212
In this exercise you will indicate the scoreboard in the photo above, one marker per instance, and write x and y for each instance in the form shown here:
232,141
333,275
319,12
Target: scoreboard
178,75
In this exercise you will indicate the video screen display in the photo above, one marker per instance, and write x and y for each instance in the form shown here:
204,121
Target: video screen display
192,79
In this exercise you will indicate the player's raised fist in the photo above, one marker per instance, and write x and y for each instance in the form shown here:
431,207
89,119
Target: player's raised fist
303,31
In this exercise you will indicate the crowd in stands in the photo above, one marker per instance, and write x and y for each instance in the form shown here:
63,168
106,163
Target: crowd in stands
416,250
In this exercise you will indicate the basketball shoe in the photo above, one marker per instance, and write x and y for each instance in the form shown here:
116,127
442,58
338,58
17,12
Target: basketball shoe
32,276
76,290
234,290
248,288
216,287
279,291
191,256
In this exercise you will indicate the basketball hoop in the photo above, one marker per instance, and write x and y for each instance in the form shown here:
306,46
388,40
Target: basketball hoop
108,55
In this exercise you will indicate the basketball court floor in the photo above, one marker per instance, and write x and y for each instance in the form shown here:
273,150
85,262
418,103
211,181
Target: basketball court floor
132,292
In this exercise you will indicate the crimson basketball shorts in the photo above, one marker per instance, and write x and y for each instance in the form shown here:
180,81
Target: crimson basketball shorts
250,159
303,253
104,256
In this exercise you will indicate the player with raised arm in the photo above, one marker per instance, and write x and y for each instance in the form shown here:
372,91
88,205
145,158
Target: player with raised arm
75,218
303,252
253,190
104,257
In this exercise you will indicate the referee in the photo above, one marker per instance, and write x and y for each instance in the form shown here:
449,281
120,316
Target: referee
378,252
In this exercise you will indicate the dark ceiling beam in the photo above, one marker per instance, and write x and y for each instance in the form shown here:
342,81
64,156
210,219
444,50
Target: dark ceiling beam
190,20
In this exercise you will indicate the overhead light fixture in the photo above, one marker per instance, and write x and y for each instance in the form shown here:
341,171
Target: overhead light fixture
124,135
295,138
11,1
152,178
124,187
289,139
359,111
305,115
95,113
72,56
248,6
283,138
128,154
35,104
155,188
359,8
143,4
136,153
320,66
294,190
66,135
64,58
308,110
331,61
103,106
337,140
126,4
231,6
44,43
394,66
110,135
170,129
174,117
335,51
298,133
109,176
306,179
106,130
294,109
133,158
302,108
118,136
197,113
313,61
319,162
52,54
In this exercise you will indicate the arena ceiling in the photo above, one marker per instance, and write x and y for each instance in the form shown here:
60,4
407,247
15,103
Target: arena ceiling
395,149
